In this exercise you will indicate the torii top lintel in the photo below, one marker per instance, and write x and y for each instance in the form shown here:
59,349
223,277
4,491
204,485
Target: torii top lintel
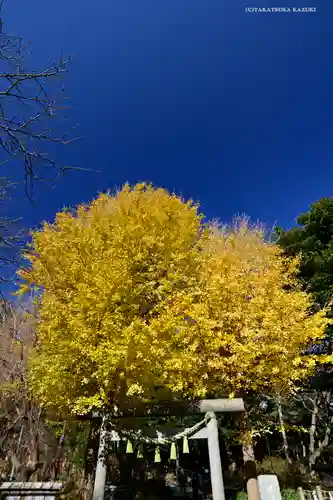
224,405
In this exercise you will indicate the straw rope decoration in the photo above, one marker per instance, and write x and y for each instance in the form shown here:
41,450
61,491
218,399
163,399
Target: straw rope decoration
163,441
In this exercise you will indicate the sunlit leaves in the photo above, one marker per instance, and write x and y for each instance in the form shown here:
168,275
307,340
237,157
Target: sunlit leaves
137,293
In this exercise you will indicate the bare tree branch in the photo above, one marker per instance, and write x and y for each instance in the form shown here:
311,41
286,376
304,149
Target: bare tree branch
28,106
29,132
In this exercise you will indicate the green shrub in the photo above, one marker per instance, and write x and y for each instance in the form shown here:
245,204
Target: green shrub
241,496
290,495
286,495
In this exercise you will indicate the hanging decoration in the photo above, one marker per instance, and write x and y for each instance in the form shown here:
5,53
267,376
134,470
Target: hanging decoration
173,451
186,448
129,447
157,455
161,440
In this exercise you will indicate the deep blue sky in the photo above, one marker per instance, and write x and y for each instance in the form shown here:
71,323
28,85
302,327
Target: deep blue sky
232,109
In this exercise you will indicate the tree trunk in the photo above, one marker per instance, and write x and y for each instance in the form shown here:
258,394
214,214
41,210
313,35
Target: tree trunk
312,434
283,431
249,469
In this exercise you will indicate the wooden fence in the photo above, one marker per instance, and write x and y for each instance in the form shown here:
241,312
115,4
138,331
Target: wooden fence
29,491
317,494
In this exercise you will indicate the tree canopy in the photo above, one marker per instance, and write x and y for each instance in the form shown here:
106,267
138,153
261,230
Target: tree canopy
136,293
312,240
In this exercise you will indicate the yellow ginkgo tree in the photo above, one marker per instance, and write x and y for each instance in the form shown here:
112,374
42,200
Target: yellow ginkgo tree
135,292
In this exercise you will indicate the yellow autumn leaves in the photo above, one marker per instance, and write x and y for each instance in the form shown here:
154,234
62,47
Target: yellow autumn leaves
136,293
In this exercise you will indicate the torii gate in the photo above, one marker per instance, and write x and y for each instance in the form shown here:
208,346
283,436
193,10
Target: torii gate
210,432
